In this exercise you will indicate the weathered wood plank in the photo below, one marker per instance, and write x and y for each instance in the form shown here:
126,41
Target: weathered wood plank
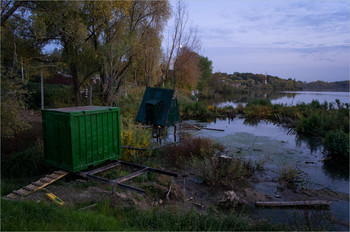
132,175
213,129
292,203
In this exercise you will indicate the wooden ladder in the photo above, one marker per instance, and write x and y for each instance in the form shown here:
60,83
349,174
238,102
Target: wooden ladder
37,185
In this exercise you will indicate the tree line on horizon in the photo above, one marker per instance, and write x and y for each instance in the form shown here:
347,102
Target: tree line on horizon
251,81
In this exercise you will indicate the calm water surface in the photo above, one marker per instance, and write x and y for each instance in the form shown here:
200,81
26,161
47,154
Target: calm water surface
289,97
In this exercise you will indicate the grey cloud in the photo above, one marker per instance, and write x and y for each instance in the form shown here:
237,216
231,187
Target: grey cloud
302,51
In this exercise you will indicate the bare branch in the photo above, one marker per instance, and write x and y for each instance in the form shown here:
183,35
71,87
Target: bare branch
182,37
5,16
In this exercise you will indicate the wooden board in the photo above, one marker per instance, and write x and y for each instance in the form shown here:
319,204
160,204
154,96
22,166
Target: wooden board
37,185
292,203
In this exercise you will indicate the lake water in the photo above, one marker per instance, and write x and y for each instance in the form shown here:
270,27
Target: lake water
289,97
277,148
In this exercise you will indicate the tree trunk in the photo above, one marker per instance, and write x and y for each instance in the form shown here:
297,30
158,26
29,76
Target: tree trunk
76,83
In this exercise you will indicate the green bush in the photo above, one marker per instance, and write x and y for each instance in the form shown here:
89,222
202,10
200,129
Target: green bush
23,163
55,96
198,110
310,125
13,96
336,142
132,134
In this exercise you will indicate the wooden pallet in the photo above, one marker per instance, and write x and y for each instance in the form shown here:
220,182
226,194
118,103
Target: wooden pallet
37,185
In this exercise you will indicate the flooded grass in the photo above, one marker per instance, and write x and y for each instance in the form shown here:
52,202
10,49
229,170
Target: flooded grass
207,160
285,157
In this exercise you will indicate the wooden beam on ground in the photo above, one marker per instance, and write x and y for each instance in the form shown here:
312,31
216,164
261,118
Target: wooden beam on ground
292,203
37,185
101,169
132,175
149,169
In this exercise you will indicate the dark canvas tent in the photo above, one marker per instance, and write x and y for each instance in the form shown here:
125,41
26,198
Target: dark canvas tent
158,107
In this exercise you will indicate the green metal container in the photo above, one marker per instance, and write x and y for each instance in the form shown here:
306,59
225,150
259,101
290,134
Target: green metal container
78,137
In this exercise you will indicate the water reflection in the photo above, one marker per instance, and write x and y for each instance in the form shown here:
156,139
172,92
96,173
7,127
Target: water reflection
278,97
336,170
313,143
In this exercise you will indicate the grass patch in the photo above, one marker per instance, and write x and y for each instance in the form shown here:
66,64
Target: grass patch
8,185
24,215
291,176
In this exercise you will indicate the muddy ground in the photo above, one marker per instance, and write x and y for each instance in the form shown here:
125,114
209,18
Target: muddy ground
186,192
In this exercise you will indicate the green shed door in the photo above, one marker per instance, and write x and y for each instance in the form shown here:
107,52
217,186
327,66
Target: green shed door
174,114
153,108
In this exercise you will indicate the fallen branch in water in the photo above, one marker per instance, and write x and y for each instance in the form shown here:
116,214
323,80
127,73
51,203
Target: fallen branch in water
292,203
205,128
202,128
195,127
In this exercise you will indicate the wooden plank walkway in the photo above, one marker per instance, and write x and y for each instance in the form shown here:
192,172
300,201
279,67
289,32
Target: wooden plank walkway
37,185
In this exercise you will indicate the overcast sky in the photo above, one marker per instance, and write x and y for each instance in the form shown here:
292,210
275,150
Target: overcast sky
307,40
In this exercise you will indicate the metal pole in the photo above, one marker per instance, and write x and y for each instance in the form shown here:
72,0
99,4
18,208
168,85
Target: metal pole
90,93
42,87
126,93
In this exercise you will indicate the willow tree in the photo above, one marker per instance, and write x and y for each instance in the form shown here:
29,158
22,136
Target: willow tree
77,27
187,69
100,37
129,41
149,51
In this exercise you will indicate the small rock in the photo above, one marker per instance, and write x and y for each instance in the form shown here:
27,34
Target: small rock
230,200
196,180
160,201
81,180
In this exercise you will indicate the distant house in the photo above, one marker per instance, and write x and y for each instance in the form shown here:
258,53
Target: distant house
159,108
